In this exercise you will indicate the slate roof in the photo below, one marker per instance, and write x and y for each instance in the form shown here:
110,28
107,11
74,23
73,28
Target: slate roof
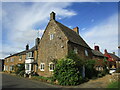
97,53
72,35
114,56
23,52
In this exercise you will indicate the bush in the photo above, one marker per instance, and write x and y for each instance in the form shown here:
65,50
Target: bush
22,73
67,72
90,71
20,69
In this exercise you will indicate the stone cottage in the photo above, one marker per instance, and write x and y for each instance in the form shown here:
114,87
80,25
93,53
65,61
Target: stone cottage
57,41
99,57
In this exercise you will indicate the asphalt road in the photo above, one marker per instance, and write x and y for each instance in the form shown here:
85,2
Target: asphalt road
10,81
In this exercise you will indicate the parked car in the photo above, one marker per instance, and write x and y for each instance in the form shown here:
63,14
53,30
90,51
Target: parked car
112,70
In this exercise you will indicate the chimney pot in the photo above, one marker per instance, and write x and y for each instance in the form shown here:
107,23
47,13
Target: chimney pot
76,29
37,41
52,16
27,47
96,48
114,53
105,50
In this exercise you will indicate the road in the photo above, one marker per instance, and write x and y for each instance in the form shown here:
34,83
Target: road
10,81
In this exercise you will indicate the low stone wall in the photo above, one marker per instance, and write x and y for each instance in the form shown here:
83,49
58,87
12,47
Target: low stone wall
115,77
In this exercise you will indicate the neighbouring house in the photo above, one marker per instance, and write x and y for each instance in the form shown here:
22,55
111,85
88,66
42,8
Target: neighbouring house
58,41
99,57
112,59
31,61
1,64
13,60
28,56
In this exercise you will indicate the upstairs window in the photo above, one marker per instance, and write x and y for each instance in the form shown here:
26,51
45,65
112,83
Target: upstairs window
20,57
51,36
42,66
12,60
75,50
86,53
51,66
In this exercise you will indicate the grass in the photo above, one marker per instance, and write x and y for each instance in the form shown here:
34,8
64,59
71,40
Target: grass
114,84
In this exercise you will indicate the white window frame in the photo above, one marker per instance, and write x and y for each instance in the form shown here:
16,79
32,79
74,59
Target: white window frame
53,67
86,52
75,50
51,36
42,66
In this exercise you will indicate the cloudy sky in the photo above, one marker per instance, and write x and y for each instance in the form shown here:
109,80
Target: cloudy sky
21,21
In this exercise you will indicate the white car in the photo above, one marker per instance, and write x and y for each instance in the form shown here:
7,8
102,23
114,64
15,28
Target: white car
112,70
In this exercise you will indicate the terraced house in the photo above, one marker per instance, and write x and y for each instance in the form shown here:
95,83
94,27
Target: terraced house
28,56
56,42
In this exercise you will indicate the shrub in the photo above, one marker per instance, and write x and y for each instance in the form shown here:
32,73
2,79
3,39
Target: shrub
20,69
22,73
89,69
67,72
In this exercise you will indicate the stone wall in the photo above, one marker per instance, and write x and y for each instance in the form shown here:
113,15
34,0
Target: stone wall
50,50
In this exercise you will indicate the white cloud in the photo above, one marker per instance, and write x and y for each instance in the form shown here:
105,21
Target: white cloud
104,34
20,20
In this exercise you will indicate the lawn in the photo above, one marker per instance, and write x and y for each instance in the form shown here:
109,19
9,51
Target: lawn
115,84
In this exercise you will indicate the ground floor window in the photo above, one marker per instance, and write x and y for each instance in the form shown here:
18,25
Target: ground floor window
11,67
27,66
42,66
51,66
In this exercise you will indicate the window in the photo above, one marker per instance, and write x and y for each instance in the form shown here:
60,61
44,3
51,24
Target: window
86,53
42,66
11,67
20,57
75,50
51,36
7,60
27,67
12,60
51,66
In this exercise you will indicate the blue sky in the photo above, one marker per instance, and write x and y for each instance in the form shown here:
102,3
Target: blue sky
97,22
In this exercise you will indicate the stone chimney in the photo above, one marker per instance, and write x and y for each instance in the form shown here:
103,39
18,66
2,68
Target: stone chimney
76,29
105,51
27,47
52,16
96,48
37,41
114,53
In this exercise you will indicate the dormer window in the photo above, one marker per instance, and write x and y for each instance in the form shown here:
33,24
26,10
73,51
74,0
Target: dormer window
51,36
